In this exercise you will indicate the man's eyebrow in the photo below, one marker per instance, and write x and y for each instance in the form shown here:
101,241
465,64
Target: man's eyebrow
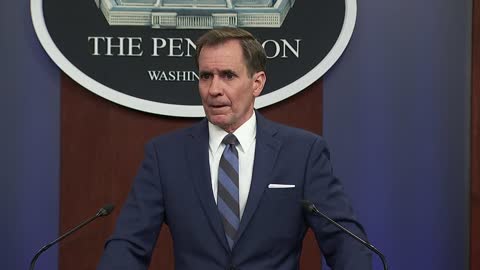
227,71
205,72
223,72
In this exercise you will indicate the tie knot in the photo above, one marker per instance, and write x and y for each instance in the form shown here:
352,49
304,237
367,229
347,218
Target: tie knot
230,139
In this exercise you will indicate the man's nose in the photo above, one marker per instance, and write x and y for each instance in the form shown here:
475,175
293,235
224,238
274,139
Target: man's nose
215,86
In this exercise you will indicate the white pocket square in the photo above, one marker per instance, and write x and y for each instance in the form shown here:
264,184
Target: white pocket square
280,186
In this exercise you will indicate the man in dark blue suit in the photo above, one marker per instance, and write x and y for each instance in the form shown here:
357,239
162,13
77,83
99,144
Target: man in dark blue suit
230,187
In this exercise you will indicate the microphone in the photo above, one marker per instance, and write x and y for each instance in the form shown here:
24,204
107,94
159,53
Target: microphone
311,208
102,212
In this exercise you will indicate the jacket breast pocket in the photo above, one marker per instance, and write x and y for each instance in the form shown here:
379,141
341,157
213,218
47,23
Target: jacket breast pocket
281,192
284,211
283,201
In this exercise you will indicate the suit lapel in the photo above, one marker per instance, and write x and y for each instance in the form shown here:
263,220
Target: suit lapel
266,151
197,155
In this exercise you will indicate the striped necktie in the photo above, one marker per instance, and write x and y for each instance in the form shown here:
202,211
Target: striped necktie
228,195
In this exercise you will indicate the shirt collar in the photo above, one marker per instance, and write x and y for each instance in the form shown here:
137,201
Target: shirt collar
245,135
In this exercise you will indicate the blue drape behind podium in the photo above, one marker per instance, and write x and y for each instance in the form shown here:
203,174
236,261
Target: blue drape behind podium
29,142
395,116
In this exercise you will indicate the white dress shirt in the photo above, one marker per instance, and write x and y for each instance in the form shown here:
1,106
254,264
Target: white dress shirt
246,135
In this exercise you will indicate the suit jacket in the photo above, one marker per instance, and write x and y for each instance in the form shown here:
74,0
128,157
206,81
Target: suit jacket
173,186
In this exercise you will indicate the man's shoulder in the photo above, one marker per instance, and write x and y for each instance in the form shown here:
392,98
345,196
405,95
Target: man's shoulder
294,139
280,130
181,134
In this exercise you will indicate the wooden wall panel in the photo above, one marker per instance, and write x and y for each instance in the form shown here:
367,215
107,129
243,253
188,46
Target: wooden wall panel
475,142
101,149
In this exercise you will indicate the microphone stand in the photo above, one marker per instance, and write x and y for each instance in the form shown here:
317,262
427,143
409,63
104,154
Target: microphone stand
104,211
310,207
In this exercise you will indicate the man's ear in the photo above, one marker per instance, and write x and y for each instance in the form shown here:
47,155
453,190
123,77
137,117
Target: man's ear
259,79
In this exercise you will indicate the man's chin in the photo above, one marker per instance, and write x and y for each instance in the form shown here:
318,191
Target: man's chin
222,121
218,120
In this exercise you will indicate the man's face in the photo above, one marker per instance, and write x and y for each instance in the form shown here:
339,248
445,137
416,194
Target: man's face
226,89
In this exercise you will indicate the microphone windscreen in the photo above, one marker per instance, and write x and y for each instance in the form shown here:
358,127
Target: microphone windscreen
106,210
308,206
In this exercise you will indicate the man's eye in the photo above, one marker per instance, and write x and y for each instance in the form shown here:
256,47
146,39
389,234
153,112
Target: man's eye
204,76
229,75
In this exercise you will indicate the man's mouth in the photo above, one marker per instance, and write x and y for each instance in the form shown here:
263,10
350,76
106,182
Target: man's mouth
218,105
